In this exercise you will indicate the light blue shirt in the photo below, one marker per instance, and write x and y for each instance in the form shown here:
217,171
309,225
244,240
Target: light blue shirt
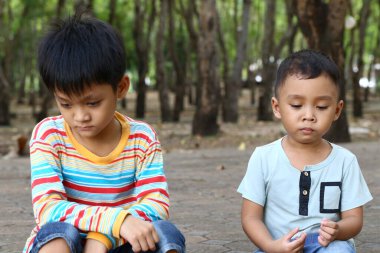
292,198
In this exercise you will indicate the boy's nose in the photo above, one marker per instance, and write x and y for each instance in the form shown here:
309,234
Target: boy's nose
81,116
309,115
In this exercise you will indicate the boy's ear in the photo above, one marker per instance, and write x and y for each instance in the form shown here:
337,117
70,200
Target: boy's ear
338,109
276,108
123,87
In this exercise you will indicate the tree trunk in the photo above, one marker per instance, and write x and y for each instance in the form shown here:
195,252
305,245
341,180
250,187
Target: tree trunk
142,45
224,53
176,50
47,99
290,34
357,103
5,100
112,14
60,7
190,13
251,84
233,84
161,79
264,110
45,104
23,63
84,6
5,117
206,114
323,26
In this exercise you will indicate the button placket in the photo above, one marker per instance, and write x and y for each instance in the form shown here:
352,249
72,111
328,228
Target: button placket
304,189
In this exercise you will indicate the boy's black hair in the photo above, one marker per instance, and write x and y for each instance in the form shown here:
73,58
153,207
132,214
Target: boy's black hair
306,64
81,51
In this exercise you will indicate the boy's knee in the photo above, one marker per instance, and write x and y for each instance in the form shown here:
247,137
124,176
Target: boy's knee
165,227
171,239
57,235
58,245
340,247
68,231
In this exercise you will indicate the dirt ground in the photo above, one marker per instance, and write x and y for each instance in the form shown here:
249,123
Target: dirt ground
174,136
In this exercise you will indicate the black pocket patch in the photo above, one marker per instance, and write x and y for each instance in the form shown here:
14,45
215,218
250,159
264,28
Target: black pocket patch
330,197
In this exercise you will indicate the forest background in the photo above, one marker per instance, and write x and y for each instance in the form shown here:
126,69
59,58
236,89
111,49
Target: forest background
201,68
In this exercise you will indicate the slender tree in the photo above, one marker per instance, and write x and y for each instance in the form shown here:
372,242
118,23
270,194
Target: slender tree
8,58
112,14
141,36
161,79
177,53
190,15
47,99
224,53
291,32
4,84
264,110
376,49
233,83
206,114
357,97
5,118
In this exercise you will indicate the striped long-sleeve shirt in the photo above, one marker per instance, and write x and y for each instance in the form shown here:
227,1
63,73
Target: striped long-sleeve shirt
95,194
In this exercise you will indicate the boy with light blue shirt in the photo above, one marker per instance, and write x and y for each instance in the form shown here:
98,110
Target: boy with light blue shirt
302,193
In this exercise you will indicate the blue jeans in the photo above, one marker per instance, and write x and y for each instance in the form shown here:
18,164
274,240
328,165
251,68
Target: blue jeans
170,238
312,246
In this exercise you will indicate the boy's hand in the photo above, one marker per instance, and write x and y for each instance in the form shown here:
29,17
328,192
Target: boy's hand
140,234
327,232
288,245
94,246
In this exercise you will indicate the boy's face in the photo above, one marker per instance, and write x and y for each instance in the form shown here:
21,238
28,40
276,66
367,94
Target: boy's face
307,107
91,114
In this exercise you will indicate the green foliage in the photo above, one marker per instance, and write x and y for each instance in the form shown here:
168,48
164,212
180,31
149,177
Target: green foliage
24,21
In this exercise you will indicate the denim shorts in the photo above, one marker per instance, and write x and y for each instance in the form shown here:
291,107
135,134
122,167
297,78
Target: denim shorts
170,238
312,246
55,230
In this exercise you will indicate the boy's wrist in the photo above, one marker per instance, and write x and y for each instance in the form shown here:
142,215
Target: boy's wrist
116,229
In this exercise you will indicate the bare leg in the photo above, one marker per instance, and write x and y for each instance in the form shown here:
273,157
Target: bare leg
58,245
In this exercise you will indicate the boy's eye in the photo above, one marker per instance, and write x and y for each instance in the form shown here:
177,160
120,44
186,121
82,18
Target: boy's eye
296,106
95,103
322,107
65,105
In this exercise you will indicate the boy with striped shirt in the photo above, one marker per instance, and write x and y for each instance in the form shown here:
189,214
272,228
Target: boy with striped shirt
98,183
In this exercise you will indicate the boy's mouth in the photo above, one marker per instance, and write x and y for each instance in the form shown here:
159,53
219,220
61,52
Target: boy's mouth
84,128
307,130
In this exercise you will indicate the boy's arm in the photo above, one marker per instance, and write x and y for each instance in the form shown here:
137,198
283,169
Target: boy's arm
349,226
151,189
355,194
152,201
257,232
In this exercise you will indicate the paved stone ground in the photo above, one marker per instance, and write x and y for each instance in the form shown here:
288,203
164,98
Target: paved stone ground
205,205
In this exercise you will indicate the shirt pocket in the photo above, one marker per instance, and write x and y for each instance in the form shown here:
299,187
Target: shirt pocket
330,197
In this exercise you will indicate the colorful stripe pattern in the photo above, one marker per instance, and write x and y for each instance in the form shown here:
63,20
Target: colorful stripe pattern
69,185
